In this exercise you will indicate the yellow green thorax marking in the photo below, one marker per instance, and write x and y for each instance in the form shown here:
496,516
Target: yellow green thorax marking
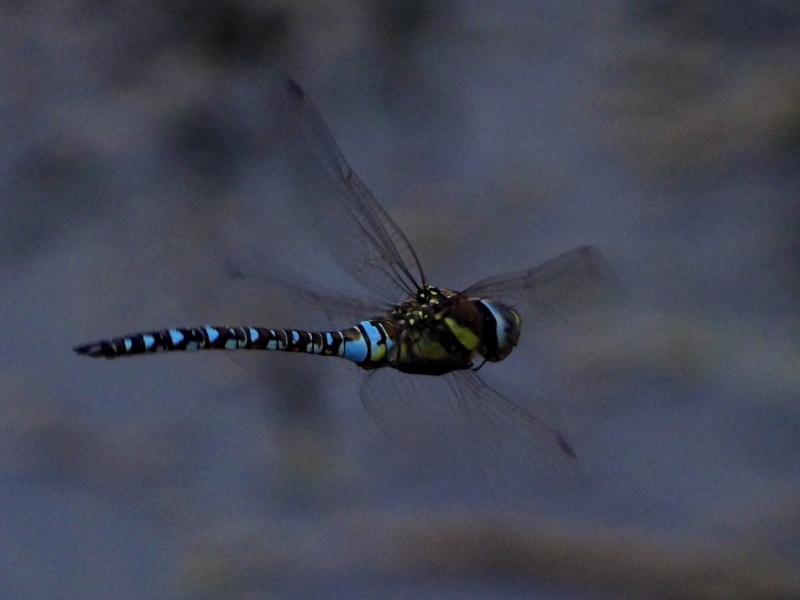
464,334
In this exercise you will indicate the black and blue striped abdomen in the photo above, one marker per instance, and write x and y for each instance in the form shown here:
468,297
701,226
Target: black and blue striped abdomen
366,344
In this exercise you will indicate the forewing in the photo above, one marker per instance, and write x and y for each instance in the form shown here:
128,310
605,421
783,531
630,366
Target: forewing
459,422
555,288
360,233
515,430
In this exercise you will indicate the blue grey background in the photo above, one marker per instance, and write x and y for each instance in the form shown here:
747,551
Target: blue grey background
497,135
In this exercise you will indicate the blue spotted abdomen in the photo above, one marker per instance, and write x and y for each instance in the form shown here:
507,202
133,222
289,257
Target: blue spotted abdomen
366,344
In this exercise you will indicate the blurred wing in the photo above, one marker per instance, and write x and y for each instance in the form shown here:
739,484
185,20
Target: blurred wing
510,423
457,421
555,287
364,238
323,308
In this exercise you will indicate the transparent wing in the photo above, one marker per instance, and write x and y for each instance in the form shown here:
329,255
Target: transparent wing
359,232
458,421
506,418
325,308
555,287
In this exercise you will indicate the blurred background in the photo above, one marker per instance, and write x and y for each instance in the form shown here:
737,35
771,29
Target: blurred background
497,135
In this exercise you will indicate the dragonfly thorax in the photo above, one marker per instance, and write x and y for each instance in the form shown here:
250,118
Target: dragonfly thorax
438,330
429,305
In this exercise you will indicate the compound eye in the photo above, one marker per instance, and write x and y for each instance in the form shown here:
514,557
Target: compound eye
501,330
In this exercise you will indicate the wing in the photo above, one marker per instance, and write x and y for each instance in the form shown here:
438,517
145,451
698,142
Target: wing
458,421
359,232
555,287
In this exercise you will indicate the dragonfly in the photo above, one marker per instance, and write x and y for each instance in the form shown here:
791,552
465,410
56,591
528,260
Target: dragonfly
424,332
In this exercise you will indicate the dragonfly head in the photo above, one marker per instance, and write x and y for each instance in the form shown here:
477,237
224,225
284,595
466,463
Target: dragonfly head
501,329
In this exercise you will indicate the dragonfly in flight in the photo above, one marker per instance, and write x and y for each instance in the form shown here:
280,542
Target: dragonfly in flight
425,331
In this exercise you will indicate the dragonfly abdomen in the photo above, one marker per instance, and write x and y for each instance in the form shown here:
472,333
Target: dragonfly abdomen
365,344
